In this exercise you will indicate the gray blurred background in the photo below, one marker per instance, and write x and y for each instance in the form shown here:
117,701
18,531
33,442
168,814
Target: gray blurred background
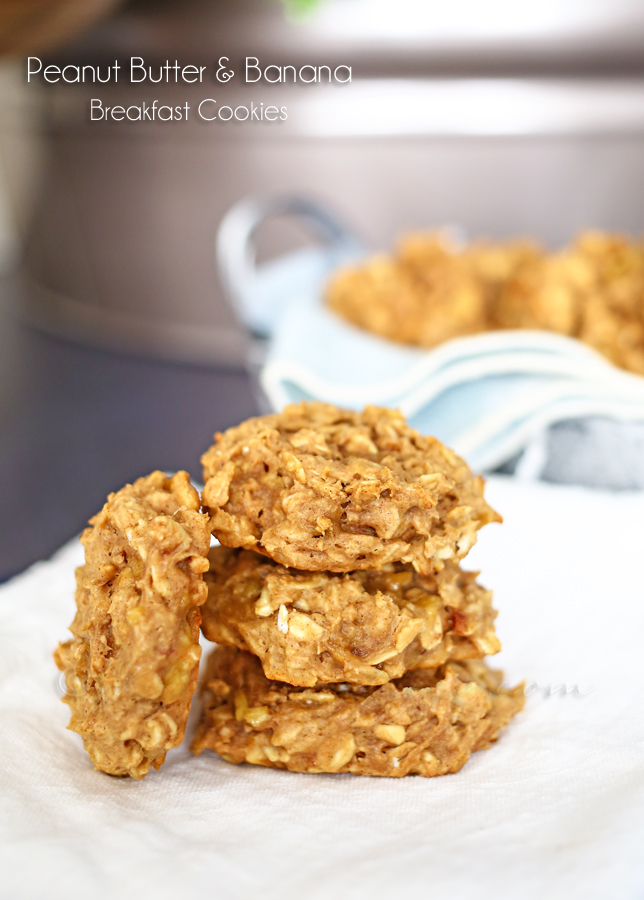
119,352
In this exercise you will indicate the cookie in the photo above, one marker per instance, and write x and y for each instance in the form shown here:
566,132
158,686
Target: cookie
426,723
319,488
429,290
547,293
131,667
613,312
423,296
367,627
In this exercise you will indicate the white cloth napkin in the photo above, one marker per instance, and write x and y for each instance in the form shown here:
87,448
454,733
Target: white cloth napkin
555,809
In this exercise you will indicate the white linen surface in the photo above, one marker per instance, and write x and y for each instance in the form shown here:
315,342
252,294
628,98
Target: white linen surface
555,809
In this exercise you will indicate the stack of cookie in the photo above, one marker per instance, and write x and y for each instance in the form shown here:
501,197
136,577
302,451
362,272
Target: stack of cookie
349,638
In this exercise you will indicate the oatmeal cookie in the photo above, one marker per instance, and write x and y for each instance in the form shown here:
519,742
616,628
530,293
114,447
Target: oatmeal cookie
613,314
426,723
366,627
131,667
423,296
319,488
429,290
546,293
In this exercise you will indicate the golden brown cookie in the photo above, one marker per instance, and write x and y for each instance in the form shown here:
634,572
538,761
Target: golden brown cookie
426,723
319,488
366,627
429,290
131,667
423,296
613,312
547,293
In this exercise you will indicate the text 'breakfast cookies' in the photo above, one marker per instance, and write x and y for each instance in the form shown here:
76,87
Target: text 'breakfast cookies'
354,639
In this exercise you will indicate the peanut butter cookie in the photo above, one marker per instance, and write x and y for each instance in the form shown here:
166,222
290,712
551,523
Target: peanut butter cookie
131,667
426,723
429,290
423,296
319,488
367,627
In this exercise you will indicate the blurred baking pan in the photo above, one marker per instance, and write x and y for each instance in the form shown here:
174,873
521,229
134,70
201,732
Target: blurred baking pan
433,129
